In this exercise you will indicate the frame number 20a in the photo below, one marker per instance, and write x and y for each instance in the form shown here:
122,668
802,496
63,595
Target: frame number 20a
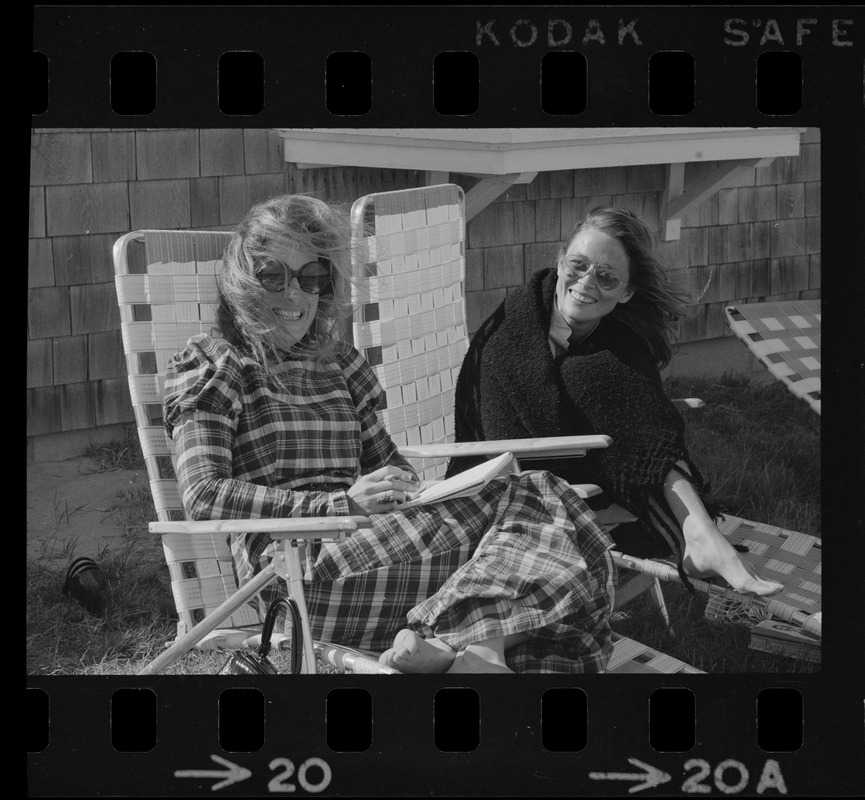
730,777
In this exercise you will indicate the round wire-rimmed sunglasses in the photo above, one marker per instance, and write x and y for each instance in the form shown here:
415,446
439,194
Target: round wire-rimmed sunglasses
313,277
608,279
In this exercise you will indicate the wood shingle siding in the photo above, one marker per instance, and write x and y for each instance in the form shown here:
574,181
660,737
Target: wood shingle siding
758,272
48,312
814,271
756,203
36,226
788,274
493,227
262,152
548,220
77,409
588,182
70,360
812,199
204,202
86,208
474,270
111,401
60,158
159,204
551,184
168,154
105,355
222,152
233,198
94,308
113,155
789,237
43,411
40,263
101,262
71,260
503,266
40,364
757,239
813,234
644,178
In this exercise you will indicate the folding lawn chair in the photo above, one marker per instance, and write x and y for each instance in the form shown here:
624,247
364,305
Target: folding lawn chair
785,337
166,289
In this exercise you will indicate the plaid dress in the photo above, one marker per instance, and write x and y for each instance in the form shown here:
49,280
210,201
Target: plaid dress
525,555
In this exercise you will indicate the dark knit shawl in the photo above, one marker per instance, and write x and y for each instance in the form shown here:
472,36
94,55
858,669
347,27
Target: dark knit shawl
510,386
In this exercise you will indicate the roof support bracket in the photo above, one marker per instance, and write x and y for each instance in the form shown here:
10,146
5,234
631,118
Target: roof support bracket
490,187
678,200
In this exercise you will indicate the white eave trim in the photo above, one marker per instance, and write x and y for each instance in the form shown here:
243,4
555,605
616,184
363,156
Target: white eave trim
501,151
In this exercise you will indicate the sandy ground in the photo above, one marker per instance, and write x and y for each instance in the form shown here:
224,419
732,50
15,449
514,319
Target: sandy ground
72,508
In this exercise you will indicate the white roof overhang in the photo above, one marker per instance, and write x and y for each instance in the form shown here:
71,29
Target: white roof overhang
502,157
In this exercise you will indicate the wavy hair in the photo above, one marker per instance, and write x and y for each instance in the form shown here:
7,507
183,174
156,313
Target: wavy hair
299,221
657,305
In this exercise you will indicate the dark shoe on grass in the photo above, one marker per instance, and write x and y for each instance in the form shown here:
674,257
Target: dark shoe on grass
87,584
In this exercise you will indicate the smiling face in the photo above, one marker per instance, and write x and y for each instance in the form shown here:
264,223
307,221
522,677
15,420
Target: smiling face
291,311
580,300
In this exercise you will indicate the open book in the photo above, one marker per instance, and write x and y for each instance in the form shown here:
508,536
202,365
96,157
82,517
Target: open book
466,483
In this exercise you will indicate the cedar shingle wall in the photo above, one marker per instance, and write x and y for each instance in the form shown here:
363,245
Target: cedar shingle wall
757,240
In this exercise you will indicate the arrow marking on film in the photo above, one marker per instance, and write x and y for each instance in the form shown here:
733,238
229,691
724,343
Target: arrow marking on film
649,778
233,773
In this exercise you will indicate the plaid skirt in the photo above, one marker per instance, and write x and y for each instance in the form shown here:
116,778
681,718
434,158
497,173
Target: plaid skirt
525,555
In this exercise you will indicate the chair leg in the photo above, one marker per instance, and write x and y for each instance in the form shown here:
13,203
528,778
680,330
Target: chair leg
656,593
211,621
294,578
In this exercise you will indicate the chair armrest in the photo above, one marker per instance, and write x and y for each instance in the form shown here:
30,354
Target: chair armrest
546,447
282,528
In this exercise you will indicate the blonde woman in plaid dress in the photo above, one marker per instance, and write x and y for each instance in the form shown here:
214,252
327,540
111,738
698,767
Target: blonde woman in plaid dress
276,417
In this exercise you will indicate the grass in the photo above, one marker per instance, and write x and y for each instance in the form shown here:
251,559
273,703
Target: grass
757,445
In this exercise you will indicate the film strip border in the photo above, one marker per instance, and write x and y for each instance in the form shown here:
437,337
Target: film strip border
402,65
269,734
454,81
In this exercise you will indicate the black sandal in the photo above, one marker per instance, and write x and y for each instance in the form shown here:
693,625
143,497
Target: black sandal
87,584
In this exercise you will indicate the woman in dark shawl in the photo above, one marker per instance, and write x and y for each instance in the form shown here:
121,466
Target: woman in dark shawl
578,350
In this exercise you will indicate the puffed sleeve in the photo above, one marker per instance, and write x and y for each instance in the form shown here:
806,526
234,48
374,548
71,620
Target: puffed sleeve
205,377
379,449
204,399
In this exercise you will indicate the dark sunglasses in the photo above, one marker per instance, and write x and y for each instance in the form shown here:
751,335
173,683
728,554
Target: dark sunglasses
313,278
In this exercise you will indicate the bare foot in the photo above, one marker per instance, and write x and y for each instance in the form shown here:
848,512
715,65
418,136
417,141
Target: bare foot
710,554
478,659
411,653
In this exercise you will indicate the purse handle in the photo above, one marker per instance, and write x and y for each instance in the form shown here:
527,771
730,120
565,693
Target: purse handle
293,612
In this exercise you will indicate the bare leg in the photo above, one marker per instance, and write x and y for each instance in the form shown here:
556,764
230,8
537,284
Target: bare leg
707,552
487,656
412,653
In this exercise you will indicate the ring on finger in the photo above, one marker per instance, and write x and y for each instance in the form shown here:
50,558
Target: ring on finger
386,499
